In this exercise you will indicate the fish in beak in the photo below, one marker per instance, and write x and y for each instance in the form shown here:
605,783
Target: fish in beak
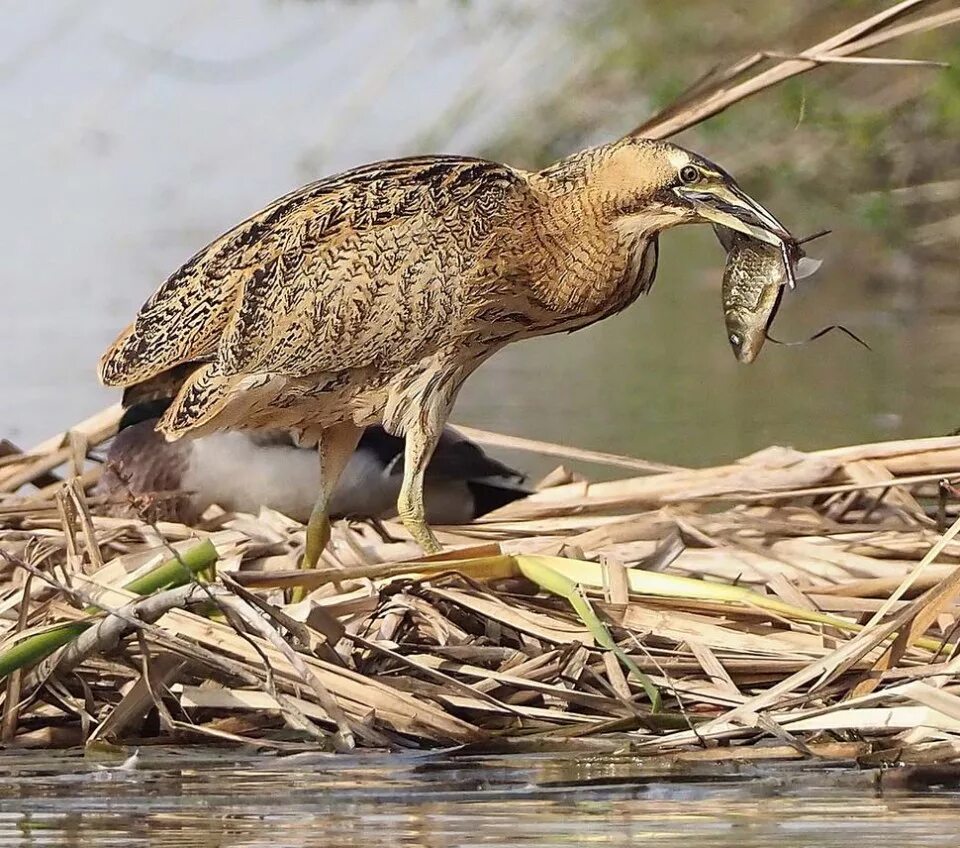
753,282
726,204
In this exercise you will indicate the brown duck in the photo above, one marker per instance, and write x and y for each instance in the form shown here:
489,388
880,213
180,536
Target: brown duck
369,297
244,470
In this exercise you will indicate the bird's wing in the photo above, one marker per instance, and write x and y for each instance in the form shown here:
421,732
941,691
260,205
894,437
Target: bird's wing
345,272
649,261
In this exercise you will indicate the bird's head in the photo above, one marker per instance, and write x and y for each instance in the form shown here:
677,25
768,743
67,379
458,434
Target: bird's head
647,185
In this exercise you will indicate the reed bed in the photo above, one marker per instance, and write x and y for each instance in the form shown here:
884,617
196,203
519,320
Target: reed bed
786,605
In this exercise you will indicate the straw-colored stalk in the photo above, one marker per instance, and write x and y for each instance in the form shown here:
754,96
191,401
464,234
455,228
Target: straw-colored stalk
33,648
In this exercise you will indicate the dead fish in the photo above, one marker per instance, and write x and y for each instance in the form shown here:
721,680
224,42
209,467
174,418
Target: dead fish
753,282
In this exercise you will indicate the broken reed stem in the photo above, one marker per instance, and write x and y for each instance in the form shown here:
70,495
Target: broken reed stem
728,87
11,704
103,635
32,649
343,739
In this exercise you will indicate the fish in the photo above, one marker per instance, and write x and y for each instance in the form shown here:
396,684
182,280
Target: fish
753,281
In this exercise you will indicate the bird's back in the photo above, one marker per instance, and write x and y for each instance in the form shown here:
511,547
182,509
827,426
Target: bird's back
357,271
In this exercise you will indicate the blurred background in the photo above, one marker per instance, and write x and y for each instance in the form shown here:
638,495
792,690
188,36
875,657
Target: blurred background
132,134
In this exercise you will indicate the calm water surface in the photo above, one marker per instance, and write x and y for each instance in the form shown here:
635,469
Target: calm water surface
212,798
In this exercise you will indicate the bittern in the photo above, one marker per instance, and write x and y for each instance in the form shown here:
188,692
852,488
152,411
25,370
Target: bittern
243,471
369,297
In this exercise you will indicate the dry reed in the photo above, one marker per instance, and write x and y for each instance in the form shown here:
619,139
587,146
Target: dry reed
816,610
785,605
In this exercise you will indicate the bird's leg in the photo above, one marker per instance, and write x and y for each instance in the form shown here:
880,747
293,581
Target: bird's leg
334,449
423,431
419,448
433,400
385,535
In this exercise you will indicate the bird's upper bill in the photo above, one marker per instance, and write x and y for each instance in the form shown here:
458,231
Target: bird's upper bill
715,196
727,204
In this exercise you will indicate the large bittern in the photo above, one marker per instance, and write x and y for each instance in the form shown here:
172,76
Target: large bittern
371,296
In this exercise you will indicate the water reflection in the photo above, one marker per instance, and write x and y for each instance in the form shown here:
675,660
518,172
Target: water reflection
213,798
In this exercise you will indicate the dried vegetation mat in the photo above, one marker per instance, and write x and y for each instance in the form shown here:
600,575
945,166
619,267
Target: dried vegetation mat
786,605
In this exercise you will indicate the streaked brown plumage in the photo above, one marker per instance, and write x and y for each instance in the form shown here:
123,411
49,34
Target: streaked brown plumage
370,296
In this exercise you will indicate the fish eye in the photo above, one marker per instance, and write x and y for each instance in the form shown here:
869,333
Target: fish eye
735,339
690,174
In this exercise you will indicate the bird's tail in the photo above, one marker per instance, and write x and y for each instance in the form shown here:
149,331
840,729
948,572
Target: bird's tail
145,410
203,394
162,386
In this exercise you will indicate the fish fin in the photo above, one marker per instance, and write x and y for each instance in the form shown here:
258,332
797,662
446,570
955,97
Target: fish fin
806,267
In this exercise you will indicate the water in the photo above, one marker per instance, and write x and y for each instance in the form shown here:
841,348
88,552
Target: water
210,797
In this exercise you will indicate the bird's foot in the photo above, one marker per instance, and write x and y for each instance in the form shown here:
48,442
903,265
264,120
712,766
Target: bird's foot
381,530
411,512
424,537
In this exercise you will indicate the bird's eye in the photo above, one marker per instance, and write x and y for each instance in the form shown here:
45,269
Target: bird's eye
689,174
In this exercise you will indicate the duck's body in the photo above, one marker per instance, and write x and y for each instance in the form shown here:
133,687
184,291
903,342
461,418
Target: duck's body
242,471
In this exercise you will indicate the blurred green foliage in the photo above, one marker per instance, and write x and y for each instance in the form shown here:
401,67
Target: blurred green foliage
840,136
945,94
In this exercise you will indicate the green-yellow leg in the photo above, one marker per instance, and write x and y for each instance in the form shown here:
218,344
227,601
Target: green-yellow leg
334,450
416,523
318,534
421,442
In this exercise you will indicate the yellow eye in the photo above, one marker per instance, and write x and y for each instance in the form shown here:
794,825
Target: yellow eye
689,174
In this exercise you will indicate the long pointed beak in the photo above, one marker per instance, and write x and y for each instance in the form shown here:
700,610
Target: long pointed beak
729,206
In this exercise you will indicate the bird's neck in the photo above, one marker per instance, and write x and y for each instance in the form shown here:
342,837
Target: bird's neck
588,260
